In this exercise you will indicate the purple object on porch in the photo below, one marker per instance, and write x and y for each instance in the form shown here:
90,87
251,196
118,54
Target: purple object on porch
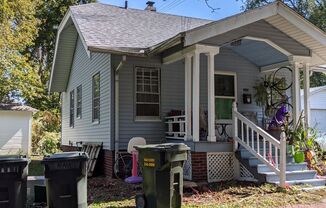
134,179
279,118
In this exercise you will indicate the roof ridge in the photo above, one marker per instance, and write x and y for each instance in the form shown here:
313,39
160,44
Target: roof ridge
135,9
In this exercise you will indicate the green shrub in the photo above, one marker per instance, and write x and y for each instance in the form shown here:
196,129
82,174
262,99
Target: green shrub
49,144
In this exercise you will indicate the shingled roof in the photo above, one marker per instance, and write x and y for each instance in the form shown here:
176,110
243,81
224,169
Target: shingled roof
16,107
114,28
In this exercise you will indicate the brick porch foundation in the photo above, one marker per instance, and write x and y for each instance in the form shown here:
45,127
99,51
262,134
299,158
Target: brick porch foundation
199,166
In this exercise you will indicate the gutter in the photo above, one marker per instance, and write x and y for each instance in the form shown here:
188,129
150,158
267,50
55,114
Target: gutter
116,106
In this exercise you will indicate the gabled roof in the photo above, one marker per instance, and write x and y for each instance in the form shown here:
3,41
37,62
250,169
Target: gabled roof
16,107
106,27
111,29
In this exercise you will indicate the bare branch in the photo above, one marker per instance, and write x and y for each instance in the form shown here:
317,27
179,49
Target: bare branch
210,6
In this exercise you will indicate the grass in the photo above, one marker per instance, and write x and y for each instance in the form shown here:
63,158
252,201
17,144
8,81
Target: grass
35,168
224,195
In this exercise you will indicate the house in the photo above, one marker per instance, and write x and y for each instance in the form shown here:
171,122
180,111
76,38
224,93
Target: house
125,72
15,128
317,107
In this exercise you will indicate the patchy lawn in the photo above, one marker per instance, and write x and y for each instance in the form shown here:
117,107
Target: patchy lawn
104,192
35,168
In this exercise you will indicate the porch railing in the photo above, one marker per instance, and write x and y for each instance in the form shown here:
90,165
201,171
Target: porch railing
176,127
260,144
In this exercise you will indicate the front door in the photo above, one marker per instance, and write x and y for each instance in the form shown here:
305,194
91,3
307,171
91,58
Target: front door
225,95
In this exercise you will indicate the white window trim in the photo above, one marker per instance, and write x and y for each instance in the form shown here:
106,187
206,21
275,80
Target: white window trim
234,74
81,104
147,118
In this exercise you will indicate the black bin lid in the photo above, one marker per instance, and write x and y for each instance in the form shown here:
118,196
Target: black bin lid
165,147
66,156
12,158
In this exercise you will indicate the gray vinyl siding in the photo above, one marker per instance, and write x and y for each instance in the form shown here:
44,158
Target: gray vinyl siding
172,92
82,70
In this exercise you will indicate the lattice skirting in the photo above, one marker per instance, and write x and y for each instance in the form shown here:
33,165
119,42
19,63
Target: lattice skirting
187,168
245,174
220,166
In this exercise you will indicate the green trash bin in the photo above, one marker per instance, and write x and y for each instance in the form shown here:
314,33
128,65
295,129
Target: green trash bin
13,181
162,169
66,180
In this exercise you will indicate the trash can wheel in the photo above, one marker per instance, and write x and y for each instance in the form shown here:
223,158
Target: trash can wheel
140,201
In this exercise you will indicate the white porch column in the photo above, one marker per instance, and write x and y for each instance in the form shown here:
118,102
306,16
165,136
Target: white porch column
195,97
188,96
296,91
306,96
211,96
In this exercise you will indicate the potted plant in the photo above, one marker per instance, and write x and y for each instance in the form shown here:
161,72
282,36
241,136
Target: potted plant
303,141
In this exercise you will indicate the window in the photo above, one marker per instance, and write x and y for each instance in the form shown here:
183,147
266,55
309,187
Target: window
96,98
72,108
225,94
79,102
147,93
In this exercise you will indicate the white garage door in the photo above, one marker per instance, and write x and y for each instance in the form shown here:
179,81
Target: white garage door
318,119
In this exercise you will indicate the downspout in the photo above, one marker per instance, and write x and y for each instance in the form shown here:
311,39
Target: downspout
116,106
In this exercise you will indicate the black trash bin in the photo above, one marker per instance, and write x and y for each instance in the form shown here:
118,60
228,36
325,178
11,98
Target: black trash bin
66,180
162,168
13,181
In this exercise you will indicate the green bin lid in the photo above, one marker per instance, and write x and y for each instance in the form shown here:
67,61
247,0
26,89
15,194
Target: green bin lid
66,156
167,147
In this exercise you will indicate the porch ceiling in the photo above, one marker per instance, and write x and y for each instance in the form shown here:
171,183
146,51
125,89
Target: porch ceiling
259,53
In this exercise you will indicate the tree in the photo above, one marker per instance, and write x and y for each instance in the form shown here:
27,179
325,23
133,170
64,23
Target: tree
312,10
18,26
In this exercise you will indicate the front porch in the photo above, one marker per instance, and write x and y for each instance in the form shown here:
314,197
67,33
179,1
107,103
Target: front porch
221,70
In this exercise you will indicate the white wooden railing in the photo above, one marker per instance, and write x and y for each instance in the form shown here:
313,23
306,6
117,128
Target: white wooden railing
176,127
252,137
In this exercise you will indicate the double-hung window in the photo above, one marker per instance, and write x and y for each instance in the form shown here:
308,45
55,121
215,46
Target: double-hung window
147,93
96,98
72,108
225,94
79,102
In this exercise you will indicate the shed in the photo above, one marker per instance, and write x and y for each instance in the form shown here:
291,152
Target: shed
317,107
15,128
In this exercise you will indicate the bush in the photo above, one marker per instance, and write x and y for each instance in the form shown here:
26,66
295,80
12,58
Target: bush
46,127
49,144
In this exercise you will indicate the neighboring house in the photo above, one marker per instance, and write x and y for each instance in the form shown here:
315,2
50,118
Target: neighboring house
317,108
15,128
126,72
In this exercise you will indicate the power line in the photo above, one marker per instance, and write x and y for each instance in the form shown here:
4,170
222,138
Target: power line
176,4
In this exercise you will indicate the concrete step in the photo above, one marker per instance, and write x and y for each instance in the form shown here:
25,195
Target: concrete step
247,154
272,177
261,168
311,182
253,161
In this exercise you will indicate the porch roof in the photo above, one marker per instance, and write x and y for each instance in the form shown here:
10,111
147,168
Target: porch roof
276,24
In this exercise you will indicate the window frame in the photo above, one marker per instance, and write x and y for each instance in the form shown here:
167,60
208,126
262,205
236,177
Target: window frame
96,120
226,73
72,109
79,101
147,118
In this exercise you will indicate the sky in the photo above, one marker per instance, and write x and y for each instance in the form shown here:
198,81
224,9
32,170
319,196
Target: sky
192,8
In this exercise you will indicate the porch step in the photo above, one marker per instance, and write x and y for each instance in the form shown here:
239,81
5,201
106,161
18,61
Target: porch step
312,182
253,161
289,167
272,177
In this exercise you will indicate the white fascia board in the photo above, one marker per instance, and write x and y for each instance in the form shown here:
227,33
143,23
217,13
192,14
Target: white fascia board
198,48
269,42
60,28
222,26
